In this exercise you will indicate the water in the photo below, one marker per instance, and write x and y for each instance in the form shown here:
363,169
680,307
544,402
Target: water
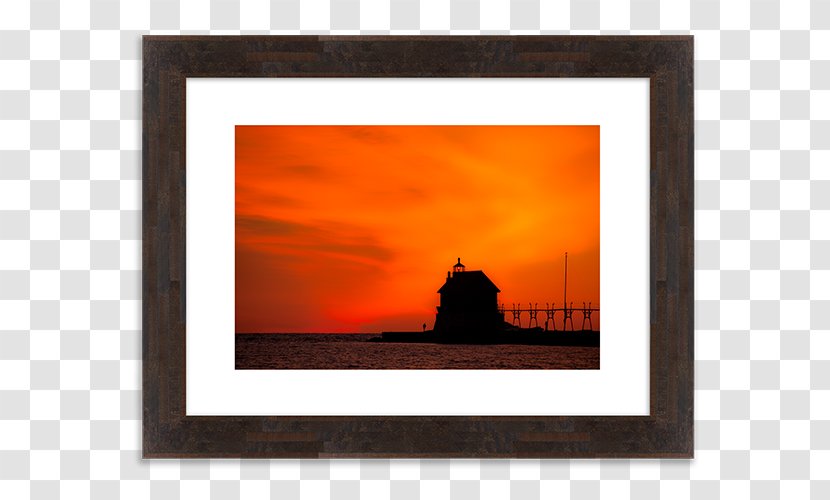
353,351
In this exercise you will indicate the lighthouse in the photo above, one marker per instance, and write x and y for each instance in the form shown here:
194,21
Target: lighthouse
468,304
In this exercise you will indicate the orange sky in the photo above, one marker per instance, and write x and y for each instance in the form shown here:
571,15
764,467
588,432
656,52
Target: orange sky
353,228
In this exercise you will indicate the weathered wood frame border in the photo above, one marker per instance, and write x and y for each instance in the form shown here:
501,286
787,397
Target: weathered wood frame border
666,60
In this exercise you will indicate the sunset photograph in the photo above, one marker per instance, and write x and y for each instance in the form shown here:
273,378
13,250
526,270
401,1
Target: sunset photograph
417,247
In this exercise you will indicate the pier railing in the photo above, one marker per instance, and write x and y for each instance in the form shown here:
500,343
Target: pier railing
550,311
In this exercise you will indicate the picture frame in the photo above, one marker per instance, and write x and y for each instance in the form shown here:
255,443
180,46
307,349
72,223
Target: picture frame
667,432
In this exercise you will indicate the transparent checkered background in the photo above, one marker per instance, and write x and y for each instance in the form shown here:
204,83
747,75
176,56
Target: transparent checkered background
70,215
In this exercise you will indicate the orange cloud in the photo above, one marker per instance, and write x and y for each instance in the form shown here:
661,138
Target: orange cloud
347,228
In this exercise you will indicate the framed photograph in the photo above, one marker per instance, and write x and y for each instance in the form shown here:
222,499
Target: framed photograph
418,246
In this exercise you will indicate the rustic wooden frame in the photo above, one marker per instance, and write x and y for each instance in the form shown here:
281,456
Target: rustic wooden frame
666,60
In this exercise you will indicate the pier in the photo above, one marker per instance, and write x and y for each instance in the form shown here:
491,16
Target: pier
550,311
469,313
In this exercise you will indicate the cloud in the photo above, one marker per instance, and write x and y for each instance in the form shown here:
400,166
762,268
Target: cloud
365,221
334,239
369,134
307,171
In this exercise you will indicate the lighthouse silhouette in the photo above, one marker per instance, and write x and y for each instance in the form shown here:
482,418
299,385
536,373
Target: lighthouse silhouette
469,304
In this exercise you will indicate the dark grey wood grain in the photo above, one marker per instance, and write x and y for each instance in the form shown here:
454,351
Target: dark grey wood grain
666,60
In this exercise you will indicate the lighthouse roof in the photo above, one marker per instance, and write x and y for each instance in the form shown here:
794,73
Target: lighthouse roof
467,282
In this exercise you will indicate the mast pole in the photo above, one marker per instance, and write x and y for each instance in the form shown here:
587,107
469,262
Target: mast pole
566,290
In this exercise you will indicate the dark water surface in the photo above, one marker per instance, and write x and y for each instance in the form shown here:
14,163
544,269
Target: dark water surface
278,351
